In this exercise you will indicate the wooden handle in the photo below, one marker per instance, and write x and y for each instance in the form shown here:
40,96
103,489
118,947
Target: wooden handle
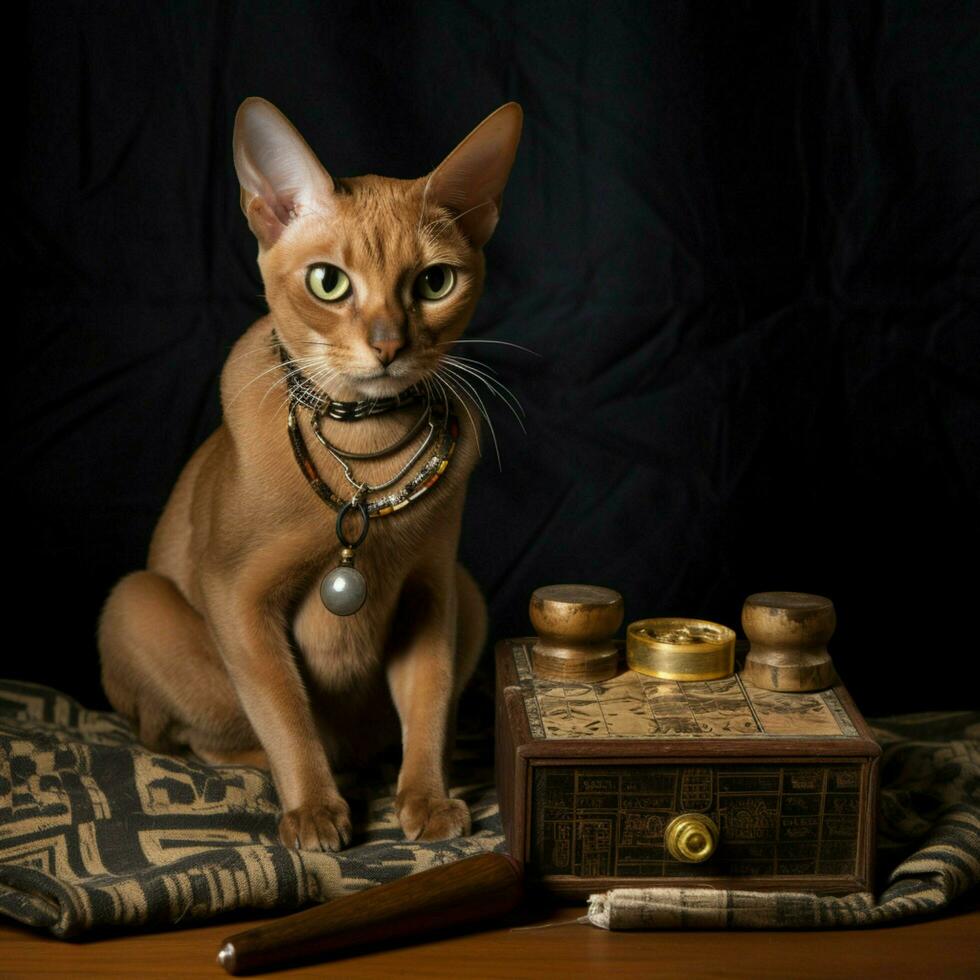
470,890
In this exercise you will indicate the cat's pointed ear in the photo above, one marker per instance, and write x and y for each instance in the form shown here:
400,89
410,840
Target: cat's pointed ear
470,181
280,175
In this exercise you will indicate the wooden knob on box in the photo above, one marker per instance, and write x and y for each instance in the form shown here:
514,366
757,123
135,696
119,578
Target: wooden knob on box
575,625
789,632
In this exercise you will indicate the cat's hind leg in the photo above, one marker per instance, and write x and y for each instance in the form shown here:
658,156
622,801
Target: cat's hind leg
160,670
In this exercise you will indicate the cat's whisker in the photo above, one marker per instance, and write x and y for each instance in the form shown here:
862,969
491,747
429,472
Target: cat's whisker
480,340
489,379
427,382
317,343
471,388
254,352
431,394
472,360
482,368
495,393
443,383
284,380
482,408
320,378
490,382
312,381
262,349
262,374
327,372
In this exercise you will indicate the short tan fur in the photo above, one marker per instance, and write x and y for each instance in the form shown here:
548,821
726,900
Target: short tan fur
222,643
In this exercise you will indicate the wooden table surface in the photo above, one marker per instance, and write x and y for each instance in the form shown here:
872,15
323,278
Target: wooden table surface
948,946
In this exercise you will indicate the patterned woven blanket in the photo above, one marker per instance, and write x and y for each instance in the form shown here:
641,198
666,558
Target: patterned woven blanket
97,831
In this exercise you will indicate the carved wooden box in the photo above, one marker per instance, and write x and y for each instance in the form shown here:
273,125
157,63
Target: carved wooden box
591,777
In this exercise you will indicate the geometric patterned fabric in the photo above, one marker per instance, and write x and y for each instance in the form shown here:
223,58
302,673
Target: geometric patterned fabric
96,830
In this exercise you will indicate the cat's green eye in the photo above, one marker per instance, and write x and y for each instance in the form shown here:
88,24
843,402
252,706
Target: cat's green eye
435,282
327,282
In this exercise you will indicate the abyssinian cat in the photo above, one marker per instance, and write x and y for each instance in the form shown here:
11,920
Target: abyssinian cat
226,642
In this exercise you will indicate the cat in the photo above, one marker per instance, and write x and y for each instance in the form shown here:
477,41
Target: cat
222,644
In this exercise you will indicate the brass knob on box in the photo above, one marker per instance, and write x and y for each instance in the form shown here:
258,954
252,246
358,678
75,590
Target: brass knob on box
691,837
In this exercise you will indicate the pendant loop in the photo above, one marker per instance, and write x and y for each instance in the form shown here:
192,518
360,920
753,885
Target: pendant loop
361,507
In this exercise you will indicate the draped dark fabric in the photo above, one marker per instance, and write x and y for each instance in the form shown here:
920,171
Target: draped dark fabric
741,240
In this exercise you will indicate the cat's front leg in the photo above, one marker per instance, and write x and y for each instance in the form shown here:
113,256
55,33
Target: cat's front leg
429,665
248,628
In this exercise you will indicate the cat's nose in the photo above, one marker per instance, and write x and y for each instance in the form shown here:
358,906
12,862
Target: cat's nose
386,335
387,349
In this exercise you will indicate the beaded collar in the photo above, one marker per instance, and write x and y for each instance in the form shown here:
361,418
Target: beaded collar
344,590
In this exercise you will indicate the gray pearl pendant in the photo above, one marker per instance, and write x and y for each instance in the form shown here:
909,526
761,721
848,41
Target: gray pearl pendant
343,590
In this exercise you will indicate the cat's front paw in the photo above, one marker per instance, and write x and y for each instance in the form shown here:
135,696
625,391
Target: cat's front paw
432,817
317,826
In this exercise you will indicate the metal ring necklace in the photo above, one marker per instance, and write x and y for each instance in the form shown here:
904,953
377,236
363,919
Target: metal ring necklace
344,590
359,485
317,415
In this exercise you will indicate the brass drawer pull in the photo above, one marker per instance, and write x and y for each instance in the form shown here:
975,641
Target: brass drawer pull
691,837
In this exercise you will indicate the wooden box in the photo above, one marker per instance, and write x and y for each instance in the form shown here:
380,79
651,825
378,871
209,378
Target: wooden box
589,776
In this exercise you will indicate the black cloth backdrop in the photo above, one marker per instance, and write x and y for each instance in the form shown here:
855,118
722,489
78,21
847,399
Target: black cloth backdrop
741,237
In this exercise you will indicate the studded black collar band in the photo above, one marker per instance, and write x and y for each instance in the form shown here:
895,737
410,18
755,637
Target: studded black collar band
302,390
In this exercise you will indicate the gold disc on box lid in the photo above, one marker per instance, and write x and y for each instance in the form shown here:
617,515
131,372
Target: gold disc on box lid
679,649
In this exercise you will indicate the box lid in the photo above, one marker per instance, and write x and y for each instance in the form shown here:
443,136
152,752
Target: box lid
635,707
